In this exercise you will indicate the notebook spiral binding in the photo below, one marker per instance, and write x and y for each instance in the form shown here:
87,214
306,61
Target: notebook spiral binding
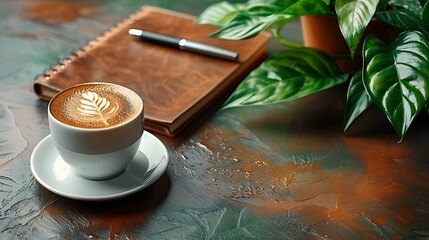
75,54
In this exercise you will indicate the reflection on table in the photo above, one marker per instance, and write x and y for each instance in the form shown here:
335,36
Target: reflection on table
277,172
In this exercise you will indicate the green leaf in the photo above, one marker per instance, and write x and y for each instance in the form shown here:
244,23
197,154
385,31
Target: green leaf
382,5
303,7
267,6
287,76
353,18
257,16
245,26
397,77
425,16
219,14
357,99
307,7
412,5
403,19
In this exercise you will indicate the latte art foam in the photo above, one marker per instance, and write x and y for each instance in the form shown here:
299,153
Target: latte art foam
95,105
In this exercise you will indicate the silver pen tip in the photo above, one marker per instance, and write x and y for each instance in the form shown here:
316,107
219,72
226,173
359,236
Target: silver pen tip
135,32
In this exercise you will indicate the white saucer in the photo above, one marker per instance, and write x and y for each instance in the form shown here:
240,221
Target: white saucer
53,173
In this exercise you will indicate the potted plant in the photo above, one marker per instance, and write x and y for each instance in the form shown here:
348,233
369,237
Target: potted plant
394,76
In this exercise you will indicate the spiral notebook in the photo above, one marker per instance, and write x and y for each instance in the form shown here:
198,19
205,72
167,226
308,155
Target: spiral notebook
176,86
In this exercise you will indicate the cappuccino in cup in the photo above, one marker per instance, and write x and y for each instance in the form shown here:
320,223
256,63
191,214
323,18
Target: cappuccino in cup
95,105
96,127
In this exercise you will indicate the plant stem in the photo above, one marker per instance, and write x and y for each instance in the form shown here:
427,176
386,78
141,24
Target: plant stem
282,41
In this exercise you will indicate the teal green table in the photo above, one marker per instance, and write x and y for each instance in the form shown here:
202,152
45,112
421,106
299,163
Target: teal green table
278,172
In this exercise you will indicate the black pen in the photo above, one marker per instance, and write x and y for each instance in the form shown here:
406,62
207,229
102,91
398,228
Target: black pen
184,44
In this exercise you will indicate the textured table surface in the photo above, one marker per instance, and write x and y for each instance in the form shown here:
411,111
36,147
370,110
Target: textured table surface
278,172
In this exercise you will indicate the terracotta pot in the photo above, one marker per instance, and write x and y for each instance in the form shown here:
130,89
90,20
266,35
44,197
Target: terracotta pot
322,32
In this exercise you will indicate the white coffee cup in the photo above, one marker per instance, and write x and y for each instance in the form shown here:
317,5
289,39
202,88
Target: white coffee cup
96,153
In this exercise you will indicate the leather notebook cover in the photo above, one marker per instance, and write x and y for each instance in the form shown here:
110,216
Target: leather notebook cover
176,86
